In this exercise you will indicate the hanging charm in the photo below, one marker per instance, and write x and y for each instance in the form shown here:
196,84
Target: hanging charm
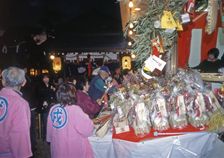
213,7
157,46
167,21
190,6
179,26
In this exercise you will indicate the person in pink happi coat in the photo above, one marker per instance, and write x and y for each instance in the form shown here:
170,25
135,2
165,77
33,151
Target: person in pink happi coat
68,127
14,116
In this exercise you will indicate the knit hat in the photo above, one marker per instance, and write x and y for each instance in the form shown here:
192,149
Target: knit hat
105,68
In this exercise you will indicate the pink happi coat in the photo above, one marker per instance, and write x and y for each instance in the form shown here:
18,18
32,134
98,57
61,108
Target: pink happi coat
14,125
68,129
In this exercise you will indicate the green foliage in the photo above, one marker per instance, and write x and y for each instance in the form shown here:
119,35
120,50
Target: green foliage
145,30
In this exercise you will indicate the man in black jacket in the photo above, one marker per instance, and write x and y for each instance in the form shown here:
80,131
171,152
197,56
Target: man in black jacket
212,64
46,95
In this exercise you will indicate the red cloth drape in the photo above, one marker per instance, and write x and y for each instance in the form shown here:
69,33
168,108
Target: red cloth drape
184,39
130,136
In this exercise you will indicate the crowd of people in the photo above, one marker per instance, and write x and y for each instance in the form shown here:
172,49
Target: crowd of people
66,107
66,110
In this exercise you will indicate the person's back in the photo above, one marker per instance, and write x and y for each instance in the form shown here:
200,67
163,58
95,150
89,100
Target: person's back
97,88
14,118
68,129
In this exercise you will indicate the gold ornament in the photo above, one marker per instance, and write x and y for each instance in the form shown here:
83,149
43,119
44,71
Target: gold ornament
167,21
179,26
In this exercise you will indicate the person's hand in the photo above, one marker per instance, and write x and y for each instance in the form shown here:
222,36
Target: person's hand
53,88
114,82
99,102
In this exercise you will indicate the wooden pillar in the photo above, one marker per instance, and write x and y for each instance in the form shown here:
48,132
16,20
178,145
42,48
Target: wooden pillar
125,13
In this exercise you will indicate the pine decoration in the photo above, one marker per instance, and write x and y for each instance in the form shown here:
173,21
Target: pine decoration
146,29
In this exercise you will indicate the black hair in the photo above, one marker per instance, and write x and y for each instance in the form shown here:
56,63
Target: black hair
214,51
45,75
81,83
66,94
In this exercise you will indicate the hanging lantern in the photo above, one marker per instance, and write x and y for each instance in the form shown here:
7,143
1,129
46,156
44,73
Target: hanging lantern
126,62
57,64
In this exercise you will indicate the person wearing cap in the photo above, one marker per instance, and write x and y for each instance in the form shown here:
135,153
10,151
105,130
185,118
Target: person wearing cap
99,85
212,64
14,116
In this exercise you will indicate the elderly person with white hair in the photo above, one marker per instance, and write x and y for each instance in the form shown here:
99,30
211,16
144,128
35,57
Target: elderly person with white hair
14,116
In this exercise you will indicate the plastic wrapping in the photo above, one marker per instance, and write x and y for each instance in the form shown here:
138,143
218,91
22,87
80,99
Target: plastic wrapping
198,117
163,103
159,116
141,123
178,118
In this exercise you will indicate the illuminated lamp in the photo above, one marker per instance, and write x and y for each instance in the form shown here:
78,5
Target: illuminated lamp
126,62
57,64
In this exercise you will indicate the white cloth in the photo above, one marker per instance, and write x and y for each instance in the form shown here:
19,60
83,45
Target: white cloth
195,145
102,147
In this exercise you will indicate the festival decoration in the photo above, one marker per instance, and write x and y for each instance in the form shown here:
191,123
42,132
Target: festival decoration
174,102
190,6
126,62
157,46
159,14
212,16
167,21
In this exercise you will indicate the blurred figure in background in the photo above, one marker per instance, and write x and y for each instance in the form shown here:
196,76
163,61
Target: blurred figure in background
101,85
14,116
29,94
89,106
117,76
46,94
68,126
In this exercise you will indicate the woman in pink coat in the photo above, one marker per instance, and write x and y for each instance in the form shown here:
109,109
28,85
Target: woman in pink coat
68,127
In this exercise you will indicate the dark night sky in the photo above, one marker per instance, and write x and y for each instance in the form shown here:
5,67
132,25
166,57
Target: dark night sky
78,25
79,16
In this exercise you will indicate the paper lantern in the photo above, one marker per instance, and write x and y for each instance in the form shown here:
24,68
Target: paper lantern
126,62
57,64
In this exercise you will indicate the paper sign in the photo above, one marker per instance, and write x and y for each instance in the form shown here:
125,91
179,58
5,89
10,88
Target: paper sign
159,63
120,112
201,102
181,104
185,18
149,64
162,107
123,129
154,62
141,112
